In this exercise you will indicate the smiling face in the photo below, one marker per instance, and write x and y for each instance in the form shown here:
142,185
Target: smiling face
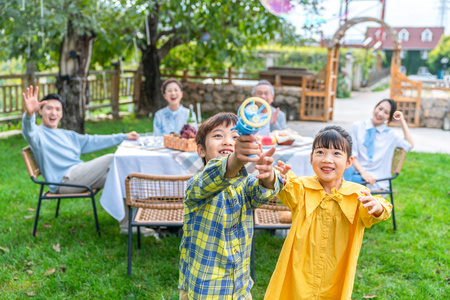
173,95
218,143
264,91
381,113
329,165
51,113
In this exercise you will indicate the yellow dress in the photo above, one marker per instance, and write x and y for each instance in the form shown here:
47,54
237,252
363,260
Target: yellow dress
318,259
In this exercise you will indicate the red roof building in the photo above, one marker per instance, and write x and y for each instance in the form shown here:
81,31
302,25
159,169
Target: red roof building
412,38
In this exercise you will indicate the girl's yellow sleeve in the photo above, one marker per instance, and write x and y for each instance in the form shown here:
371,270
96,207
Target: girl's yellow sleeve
368,219
293,192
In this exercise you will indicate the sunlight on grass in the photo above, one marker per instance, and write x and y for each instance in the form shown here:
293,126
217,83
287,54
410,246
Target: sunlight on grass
412,263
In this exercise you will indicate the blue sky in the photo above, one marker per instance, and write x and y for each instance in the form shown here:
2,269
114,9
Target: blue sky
413,13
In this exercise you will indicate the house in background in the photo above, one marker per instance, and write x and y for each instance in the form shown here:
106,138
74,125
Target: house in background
416,43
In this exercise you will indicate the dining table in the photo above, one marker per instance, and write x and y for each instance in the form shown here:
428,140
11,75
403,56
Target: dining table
149,156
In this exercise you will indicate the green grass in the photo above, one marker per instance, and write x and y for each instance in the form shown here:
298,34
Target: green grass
412,263
381,87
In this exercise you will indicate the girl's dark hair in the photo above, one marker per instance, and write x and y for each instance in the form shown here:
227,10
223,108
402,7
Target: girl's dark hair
333,137
55,97
169,81
210,124
393,107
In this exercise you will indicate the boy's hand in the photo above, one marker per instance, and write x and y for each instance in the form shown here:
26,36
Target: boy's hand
31,102
284,169
245,146
264,166
374,207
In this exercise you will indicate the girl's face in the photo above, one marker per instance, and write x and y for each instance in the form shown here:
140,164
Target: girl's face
329,165
219,142
381,113
173,95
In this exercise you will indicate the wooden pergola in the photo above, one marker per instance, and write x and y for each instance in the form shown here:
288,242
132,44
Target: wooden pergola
319,91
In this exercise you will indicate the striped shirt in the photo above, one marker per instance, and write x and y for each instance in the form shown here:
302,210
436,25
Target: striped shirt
218,232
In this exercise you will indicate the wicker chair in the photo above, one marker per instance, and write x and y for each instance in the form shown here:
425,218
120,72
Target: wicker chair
34,172
154,200
397,164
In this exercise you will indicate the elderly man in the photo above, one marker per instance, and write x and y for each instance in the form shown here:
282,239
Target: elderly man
57,151
264,89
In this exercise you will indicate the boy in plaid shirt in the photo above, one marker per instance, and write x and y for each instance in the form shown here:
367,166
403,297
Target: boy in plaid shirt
218,218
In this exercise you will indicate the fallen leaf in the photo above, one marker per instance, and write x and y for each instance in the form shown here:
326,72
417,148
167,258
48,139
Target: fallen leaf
62,269
30,209
87,212
73,229
359,275
29,272
57,247
15,278
31,294
440,264
438,271
81,243
140,286
46,225
49,272
30,263
4,249
28,217
369,296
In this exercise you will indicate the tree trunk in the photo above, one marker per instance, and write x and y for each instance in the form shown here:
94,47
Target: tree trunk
74,61
152,84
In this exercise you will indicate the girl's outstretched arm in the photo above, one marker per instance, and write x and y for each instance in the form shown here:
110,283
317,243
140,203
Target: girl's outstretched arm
398,115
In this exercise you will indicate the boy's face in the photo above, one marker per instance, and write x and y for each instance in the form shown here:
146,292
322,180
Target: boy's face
330,164
219,142
51,113
173,94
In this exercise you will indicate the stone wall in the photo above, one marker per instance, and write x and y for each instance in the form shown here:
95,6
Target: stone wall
216,98
433,111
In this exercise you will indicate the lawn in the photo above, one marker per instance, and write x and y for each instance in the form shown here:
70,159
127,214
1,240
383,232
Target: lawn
67,259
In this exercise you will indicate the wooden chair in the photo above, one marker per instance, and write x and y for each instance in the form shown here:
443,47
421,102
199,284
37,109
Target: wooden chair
154,200
34,172
397,164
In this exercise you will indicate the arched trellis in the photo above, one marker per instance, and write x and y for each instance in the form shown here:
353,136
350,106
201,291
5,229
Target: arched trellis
319,91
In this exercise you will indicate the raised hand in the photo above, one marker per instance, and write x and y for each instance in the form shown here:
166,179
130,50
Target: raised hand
273,120
284,169
398,115
31,102
264,164
373,206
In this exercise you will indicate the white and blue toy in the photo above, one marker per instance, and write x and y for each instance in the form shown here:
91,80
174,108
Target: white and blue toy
250,118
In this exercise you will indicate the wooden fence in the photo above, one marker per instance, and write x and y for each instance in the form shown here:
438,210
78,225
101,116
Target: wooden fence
111,88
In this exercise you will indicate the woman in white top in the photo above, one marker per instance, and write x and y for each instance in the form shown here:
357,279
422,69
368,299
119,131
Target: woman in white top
374,144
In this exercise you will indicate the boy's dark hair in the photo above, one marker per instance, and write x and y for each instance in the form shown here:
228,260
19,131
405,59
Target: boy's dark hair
333,137
55,97
210,124
393,107
169,81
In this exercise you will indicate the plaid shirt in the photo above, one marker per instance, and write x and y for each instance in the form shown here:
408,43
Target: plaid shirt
218,232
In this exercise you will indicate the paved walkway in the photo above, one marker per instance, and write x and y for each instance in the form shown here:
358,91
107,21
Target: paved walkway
360,107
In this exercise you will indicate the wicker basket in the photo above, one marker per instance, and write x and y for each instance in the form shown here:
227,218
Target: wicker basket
180,144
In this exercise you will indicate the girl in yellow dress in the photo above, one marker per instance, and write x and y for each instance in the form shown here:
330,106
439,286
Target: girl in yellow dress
318,259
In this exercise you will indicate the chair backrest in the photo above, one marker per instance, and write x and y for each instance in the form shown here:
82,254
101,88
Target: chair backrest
32,167
156,191
275,204
397,160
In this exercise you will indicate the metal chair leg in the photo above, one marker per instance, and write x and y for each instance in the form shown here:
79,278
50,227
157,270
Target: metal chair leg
139,237
57,208
36,219
95,215
130,233
391,194
252,254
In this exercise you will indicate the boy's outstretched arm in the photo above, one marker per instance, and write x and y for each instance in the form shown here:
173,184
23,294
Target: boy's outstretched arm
373,206
266,171
245,145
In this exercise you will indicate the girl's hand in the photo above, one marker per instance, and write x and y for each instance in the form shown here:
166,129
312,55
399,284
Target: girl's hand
373,206
282,167
398,115
368,178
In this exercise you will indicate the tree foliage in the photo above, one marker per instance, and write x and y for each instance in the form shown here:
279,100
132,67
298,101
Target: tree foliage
440,52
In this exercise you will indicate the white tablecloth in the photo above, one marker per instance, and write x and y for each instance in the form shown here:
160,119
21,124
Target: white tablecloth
171,162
